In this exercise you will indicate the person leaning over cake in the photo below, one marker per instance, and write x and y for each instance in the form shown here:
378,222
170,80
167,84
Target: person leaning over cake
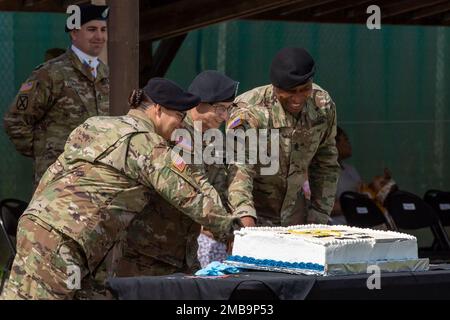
110,169
305,116
162,240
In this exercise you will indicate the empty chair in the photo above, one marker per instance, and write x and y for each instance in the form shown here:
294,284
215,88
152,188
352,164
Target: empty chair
410,212
10,212
440,202
360,211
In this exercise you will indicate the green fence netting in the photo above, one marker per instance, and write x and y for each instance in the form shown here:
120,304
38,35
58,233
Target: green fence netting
391,86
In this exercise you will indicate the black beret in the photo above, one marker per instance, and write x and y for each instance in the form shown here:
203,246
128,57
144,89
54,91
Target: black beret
212,86
169,95
291,67
91,12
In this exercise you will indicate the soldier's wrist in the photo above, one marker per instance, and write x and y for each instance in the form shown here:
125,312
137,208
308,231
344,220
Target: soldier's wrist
248,221
317,217
245,211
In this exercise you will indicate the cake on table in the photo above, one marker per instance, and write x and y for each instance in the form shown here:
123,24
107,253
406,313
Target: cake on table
324,250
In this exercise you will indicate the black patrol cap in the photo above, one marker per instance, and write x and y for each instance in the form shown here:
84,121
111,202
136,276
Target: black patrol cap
169,95
212,86
91,12
291,67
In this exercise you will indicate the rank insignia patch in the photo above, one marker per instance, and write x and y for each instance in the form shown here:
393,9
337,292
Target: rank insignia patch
235,122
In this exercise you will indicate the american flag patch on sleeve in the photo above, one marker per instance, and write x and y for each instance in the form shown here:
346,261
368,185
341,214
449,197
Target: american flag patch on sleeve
27,86
178,162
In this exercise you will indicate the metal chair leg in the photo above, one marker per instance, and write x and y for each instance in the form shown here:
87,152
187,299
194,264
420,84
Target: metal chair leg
6,272
4,275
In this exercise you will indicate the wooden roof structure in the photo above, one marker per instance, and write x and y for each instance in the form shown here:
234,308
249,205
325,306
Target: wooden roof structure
164,18
135,24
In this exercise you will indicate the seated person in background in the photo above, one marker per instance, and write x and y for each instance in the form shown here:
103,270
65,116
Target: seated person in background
350,180
378,190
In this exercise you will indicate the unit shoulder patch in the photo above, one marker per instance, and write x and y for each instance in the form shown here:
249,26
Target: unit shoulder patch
235,122
22,102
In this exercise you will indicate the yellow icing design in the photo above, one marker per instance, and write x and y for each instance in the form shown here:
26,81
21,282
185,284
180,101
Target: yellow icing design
322,233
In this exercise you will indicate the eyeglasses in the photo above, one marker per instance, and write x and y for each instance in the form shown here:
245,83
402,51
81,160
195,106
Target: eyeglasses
219,109
182,115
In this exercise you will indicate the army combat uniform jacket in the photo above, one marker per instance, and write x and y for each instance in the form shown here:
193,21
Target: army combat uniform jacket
162,240
306,144
110,169
58,96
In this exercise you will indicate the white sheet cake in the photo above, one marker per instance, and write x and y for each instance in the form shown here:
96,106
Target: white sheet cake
323,249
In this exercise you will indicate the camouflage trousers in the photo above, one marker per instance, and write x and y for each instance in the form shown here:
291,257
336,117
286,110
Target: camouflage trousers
48,266
296,216
135,264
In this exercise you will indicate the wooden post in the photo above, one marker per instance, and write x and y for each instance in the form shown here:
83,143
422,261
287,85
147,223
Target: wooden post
123,52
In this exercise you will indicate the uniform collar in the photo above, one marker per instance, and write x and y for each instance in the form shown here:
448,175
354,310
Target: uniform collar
136,113
283,119
188,122
102,70
280,118
93,62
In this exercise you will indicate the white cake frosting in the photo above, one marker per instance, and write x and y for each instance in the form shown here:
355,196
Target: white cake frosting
323,244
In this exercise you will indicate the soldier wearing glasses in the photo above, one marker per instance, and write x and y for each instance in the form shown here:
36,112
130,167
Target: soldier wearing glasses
111,168
163,240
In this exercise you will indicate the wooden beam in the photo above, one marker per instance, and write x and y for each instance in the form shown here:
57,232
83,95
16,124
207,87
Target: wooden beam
123,52
357,13
406,6
166,52
38,5
335,8
446,19
289,9
186,15
431,11
284,11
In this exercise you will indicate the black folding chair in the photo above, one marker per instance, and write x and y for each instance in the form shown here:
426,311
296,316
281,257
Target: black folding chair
360,211
410,212
440,202
10,212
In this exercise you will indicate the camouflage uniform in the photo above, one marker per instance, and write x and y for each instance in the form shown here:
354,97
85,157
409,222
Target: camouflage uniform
110,169
161,240
306,144
59,96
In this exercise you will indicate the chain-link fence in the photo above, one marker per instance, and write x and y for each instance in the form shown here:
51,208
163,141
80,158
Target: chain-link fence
24,38
391,86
